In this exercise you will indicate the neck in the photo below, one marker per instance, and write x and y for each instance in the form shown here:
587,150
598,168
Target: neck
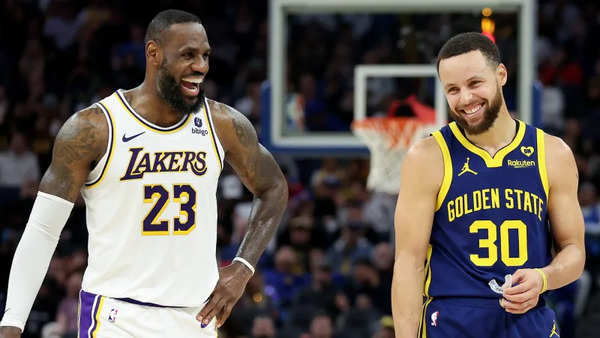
147,102
500,134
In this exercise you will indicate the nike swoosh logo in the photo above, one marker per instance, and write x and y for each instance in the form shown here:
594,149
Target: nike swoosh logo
127,139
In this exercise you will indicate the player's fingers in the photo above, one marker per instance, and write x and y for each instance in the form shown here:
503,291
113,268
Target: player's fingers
510,306
520,297
224,314
213,312
523,287
212,301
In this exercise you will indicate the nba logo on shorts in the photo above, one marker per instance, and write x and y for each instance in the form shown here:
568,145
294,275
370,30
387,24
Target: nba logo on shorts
434,318
112,316
198,122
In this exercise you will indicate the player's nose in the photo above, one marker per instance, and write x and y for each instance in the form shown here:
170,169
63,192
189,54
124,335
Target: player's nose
465,98
200,65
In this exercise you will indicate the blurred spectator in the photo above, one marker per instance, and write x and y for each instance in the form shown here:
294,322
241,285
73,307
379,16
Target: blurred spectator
590,207
321,292
263,327
386,328
321,326
67,315
285,279
350,247
19,170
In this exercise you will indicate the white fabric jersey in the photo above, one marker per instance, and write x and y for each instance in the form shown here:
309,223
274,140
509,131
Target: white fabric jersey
151,209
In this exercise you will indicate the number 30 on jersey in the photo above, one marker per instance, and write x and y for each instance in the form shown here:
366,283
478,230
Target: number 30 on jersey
489,243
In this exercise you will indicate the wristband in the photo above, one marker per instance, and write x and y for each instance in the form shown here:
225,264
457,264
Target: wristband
544,280
245,262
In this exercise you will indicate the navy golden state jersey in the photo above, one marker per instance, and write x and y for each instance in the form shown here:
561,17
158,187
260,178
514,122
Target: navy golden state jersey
491,213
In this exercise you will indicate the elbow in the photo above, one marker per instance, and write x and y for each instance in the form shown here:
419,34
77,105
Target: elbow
282,191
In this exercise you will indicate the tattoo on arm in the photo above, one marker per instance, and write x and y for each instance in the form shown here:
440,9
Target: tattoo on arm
267,208
261,174
80,141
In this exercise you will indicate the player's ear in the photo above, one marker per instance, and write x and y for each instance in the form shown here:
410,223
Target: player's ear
502,74
153,53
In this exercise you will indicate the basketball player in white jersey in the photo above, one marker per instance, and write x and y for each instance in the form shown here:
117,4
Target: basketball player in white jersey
147,162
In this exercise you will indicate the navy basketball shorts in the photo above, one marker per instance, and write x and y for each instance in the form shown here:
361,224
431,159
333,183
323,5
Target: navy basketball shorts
450,317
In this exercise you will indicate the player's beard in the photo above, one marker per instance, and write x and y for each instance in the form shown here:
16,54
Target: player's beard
170,91
489,116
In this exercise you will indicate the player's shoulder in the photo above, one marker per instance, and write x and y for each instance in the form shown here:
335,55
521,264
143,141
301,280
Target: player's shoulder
424,151
556,146
90,117
559,158
88,127
232,126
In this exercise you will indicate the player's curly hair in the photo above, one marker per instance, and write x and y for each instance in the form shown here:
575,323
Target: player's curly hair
164,20
467,42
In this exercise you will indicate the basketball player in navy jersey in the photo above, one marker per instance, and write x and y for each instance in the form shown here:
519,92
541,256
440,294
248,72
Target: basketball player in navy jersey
490,204
147,162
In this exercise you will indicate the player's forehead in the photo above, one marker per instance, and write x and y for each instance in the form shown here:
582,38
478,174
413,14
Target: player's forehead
462,67
180,36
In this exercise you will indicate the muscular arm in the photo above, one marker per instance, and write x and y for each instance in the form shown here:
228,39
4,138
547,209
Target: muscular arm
261,175
565,215
80,142
422,174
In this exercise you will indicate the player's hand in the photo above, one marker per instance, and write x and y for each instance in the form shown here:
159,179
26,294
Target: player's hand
524,295
230,287
10,332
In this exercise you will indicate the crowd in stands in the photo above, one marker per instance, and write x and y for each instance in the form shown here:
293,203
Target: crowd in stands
328,272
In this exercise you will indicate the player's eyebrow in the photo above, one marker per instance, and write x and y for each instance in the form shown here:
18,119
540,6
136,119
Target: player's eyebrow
194,49
474,77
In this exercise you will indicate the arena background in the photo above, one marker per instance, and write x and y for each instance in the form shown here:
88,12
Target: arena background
329,270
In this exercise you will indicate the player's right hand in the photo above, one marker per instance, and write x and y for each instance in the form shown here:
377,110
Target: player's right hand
230,287
10,332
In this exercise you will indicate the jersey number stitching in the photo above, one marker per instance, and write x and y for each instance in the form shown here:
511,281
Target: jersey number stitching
489,243
183,194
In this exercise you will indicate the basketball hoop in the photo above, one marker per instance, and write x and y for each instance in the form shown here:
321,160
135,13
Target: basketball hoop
388,139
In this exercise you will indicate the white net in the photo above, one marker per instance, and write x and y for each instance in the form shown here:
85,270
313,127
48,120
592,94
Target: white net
388,139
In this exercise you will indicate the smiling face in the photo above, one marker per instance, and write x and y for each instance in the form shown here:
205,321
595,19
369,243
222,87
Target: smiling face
184,65
473,89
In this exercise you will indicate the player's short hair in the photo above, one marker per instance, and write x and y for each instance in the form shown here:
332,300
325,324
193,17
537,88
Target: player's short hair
467,42
164,20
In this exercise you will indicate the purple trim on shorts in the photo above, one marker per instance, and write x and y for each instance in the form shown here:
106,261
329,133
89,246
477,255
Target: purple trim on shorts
87,314
137,302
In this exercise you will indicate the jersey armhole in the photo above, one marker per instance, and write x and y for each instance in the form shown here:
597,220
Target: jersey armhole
97,173
541,146
447,180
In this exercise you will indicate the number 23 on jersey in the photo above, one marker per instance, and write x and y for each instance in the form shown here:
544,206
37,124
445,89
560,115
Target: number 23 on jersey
160,197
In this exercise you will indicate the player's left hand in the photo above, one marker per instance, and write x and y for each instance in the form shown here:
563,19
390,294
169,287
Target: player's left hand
230,287
524,295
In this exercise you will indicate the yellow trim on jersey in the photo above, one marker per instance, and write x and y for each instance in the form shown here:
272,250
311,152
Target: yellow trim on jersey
447,169
428,271
541,146
490,162
423,324
212,136
111,151
98,317
138,118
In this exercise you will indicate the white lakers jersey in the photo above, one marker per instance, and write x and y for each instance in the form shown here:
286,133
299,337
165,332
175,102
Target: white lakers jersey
151,208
